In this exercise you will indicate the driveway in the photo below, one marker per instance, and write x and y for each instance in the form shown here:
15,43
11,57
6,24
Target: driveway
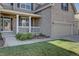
73,38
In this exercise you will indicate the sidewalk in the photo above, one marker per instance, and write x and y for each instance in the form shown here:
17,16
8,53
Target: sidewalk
11,41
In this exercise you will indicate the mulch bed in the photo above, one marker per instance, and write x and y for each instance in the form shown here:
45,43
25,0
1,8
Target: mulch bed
40,36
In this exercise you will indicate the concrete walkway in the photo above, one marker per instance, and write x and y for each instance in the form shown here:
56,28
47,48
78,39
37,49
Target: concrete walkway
10,40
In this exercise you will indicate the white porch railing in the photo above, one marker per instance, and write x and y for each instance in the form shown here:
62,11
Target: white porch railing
26,29
35,29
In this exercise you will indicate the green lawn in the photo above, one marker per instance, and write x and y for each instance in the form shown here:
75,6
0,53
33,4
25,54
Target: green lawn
48,48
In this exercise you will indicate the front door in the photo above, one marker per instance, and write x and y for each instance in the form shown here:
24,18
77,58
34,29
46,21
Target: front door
6,24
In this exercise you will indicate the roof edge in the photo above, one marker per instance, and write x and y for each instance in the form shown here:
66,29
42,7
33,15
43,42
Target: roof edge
74,8
42,8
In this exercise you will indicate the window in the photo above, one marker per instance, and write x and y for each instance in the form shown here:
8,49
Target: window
11,4
28,7
64,6
24,21
25,6
18,5
31,6
22,5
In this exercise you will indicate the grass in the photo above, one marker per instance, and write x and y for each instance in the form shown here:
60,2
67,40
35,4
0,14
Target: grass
48,48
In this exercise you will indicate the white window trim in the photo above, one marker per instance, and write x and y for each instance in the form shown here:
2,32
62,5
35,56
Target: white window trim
25,7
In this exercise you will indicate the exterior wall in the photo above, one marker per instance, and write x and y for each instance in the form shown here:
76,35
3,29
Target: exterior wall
14,7
54,21
45,26
61,15
37,6
62,21
6,6
76,24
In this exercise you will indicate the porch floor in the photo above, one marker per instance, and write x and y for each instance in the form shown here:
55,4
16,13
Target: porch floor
10,40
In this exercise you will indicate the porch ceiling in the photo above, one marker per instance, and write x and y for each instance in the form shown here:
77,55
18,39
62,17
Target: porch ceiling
19,13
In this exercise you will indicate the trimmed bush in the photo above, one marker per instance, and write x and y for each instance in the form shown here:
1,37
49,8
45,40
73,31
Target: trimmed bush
24,36
29,35
18,35
41,34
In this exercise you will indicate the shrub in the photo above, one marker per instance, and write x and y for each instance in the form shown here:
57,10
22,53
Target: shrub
29,35
18,35
24,36
41,34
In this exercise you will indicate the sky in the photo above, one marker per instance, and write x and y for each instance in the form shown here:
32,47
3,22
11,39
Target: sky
77,6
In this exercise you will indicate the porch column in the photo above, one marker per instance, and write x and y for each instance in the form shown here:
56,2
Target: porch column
29,23
17,19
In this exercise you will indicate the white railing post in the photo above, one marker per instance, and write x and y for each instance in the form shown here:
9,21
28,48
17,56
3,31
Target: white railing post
17,22
29,23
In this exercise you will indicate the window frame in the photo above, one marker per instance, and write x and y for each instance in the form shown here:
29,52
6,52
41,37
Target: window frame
64,6
18,5
30,6
11,4
21,21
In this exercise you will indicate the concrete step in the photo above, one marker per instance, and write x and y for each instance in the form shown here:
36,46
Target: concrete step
8,34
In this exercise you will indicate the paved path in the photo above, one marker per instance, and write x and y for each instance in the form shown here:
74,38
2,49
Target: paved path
10,40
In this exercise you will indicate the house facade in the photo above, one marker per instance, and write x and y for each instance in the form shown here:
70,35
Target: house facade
18,18
56,19
76,21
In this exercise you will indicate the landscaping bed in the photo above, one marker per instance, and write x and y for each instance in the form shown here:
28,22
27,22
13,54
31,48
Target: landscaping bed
29,36
40,36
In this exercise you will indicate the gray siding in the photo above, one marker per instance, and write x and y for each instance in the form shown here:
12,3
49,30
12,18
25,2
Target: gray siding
61,15
37,6
54,21
45,26
63,21
6,6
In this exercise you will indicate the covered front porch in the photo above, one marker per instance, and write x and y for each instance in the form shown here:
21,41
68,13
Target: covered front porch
19,22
